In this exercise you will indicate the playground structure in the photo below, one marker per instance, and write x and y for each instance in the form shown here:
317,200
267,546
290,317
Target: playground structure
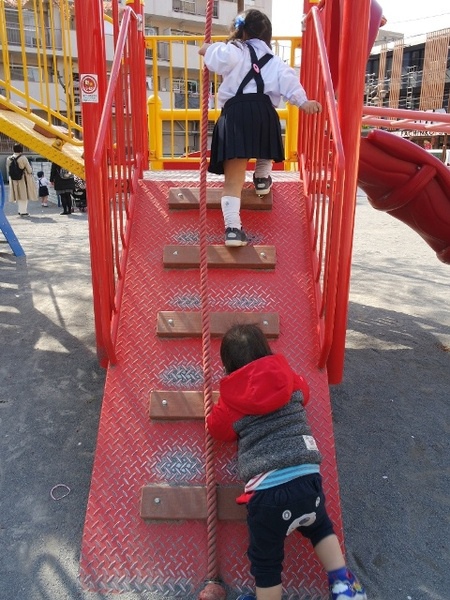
5,226
161,513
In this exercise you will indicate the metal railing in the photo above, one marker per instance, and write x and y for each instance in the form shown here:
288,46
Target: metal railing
323,172
174,108
38,77
115,159
406,120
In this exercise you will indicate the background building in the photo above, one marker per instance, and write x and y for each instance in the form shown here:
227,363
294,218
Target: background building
49,60
412,73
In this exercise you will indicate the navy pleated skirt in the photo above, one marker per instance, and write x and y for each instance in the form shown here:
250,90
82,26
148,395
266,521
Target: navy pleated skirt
248,127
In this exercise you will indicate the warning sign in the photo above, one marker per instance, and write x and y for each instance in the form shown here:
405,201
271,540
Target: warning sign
89,87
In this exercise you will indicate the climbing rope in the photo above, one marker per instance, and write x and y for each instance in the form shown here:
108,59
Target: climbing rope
211,496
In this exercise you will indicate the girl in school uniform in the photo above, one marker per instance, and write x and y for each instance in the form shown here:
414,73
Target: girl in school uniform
253,82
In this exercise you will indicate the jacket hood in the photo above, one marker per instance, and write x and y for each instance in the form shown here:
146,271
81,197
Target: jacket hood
260,387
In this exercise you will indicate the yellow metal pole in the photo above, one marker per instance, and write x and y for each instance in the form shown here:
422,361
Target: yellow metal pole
155,133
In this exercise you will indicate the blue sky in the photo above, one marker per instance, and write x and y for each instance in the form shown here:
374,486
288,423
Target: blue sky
412,17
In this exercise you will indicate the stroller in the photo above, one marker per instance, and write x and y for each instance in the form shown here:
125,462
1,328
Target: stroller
79,194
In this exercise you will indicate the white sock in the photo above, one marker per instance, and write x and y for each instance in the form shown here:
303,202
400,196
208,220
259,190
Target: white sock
263,167
230,210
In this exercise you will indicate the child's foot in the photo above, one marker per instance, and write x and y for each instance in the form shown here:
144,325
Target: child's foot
262,185
246,597
342,590
235,237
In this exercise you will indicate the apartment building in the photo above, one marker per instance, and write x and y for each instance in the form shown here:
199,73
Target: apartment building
410,73
42,55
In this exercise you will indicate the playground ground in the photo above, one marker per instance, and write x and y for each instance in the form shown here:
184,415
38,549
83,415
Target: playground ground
391,413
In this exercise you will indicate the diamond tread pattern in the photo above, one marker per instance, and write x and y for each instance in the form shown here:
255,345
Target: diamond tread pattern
120,552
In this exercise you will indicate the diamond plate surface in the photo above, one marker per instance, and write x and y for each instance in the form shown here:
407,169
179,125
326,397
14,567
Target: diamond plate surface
120,552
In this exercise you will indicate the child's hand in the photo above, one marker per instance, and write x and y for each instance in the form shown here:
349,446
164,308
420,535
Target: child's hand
311,106
203,49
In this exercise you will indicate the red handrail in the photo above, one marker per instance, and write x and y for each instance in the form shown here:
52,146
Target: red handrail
330,180
116,153
406,119
322,162
353,55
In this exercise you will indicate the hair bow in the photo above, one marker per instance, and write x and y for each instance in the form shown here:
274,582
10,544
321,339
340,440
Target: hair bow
239,21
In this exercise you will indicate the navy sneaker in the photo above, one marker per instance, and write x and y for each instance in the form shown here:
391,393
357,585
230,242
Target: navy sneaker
262,185
235,237
246,597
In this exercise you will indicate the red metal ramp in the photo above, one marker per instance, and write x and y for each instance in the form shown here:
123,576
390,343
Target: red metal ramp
120,551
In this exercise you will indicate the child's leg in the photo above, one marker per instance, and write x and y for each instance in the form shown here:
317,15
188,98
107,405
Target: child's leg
231,199
261,177
272,593
263,167
234,170
329,553
343,584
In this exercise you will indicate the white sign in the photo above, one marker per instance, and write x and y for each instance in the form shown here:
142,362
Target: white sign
89,87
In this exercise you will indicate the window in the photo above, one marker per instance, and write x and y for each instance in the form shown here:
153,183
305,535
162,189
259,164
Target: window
181,85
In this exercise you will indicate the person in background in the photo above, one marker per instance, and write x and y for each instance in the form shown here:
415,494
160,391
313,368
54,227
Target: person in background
64,186
261,405
43,184
22,187
253,82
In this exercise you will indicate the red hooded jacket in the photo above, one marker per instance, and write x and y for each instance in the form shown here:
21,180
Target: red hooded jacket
261,387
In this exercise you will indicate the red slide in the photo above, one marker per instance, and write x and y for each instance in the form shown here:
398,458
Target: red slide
401,178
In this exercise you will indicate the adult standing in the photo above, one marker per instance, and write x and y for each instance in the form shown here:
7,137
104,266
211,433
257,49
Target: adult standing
64,184
21,183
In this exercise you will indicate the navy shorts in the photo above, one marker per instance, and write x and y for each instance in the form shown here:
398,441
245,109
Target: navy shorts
273,514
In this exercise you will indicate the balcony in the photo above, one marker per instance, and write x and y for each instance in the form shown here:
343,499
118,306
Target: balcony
194,7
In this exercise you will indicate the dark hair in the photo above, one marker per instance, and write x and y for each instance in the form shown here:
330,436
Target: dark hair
251,24
40,173
18,148
241,345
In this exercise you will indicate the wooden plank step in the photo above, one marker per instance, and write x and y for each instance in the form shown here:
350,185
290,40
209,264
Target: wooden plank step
178,405
187,198
171,323
164,502
251,257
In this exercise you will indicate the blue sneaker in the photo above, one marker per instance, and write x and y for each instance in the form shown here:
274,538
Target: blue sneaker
246,597
342,590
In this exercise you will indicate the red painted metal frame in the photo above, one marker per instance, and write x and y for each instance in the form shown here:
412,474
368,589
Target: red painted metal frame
350,93
322,161
406,120
116,153
336,36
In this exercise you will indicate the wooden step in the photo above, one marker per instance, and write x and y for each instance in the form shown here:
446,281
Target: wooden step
171,323
164,502
178,405
250,257
188,198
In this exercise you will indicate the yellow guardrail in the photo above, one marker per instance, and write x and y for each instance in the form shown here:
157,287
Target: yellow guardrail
37,77
175,91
